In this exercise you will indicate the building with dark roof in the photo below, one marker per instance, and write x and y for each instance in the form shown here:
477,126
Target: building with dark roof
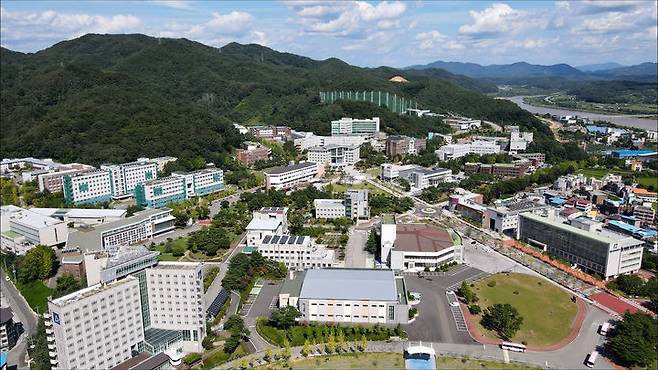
8,332
365,296
413,247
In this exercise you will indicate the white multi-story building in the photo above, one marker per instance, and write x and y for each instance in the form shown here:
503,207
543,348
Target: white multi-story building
340,295
12,164
178,187
452,151
306,140
175,301
141,226
418,177
596,250
504,214
281,178
266,221
414,247
93,186
334,155
296,252
23,229
352,126
354,205
329,208
52,180
96,327
127,175
160,161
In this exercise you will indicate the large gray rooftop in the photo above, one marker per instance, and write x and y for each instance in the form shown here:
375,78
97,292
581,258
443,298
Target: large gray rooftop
280,170
350,284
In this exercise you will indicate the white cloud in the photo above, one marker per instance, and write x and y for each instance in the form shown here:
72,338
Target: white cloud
436,40
49,25
497,19
230,23
346,18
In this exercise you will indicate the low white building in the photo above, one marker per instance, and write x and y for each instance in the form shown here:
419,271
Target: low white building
480,147
334,155
23,229
143,225
82,216
414,247
418,177
296,252
329,208
504,214
266,221
306,140
281,178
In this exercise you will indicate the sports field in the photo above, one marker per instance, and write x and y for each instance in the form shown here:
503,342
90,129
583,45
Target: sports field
547,310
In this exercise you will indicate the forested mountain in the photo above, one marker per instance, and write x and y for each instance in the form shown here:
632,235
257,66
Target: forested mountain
644,69
599,67
111,98
503,71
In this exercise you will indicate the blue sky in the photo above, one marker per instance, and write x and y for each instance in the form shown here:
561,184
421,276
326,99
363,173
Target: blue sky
365,33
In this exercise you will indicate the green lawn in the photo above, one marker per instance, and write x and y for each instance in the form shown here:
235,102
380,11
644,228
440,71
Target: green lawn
463,363
375,171
36,294
648,181
365,361
547,310
341,188
600,172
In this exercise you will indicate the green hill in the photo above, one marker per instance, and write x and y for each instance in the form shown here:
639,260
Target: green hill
111,98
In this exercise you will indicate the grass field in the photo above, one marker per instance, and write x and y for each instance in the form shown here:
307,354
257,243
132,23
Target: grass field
600,172
341,188
365,361
36,294
463,363
547,310
648,181
384,361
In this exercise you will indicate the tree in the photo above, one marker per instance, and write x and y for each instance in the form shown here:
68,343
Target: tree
330,346
268,354
284,317
633,341
296,223
39,263
467,293
306,349
364,344
131,210
66,284
504,319
630,284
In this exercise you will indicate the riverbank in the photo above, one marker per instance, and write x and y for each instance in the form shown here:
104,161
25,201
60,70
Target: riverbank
621,120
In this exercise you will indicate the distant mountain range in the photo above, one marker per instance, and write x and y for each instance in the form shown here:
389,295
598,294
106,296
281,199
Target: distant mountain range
523,71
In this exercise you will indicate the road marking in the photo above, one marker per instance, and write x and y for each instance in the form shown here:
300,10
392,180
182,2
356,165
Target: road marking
274,303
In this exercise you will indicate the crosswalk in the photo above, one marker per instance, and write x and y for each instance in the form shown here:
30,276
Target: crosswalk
274,304
456,312
472,279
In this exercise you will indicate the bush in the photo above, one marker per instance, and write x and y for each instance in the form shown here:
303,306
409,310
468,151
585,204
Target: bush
474,309
412,312
191,358
491,284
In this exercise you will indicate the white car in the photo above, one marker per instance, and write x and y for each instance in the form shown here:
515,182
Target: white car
7,277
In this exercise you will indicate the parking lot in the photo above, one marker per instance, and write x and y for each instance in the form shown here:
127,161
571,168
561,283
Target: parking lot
264,303
437,322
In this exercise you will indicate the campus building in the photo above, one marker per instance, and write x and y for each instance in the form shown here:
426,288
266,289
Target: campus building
13,164
22,229
8,332
296,252
599,251
104,266
82,216
283,178
334,155
175,304
364,296
504,214
126,176
417,246
252,153
270,132
516,169
94,186
306,140
418,177
96,327
353,206
143,225
353,126
404,145
480,147
266,221
52,180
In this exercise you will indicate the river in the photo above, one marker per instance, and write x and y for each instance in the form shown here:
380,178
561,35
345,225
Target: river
621,120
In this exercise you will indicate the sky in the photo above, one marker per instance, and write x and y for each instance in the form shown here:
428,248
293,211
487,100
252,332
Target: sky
364,33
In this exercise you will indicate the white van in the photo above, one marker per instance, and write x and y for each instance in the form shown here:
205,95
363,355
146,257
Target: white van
591,359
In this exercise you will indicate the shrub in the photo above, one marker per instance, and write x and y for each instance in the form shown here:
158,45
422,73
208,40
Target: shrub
412,312
491,284
474,309
191,358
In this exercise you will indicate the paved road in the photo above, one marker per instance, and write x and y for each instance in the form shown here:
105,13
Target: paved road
24,314
355,253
